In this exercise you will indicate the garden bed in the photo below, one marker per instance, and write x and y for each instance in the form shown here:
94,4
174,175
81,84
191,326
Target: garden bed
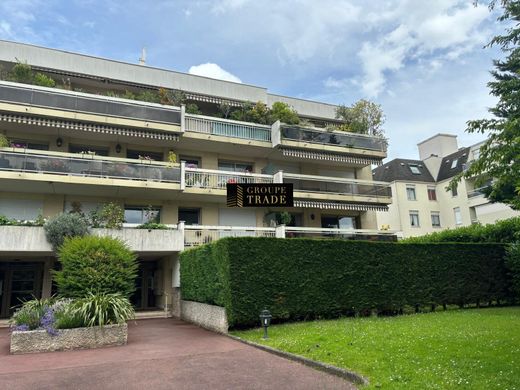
41,340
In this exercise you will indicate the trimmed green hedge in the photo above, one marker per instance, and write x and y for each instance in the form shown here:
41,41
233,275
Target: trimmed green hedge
505,231
306,278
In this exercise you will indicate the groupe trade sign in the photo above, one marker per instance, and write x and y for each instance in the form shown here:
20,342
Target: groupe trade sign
259,195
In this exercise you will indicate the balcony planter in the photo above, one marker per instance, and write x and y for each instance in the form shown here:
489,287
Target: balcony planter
34,341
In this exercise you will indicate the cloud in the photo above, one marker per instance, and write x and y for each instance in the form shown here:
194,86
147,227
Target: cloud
213,71
223,6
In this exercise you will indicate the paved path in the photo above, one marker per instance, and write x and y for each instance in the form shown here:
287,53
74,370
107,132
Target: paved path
161,354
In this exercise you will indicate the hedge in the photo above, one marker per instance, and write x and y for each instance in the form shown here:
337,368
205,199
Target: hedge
306,278
504,231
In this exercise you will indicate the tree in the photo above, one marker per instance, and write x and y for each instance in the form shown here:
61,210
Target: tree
363,117
284,113
500,154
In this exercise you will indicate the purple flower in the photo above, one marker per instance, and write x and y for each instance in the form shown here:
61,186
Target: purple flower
47,321
21,328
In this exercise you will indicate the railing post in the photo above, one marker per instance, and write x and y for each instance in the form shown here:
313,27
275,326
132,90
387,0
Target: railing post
183,118
183,175
278,177
276,137
182,233
280,231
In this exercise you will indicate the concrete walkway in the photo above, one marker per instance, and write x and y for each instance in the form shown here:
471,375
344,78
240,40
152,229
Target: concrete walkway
161,354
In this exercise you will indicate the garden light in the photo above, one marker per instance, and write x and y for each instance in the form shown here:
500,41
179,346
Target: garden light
265,318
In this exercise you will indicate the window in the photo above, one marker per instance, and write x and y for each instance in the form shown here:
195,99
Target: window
142,214
189,216
414,218
432,194
415,169
454,191
436,219
98,150
16,143
454,163
458,216
234,166
334,222
476,154
410,193
191,162
155,156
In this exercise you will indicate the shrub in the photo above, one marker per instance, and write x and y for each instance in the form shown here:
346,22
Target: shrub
152,226
33,314
103,309
91,263
4,141
110,216
63,226
21,73
513,264
305,278
505,231
43,80
284,113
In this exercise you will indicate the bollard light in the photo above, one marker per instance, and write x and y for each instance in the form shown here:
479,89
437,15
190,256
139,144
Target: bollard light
265,319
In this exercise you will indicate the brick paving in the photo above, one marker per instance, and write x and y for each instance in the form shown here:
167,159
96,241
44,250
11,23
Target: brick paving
161,354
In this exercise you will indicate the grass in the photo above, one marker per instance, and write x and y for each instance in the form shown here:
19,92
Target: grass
457,349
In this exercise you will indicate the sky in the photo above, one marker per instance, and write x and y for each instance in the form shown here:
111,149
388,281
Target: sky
424,61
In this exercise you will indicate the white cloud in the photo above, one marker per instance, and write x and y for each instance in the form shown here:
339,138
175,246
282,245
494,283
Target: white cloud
223,6
213,71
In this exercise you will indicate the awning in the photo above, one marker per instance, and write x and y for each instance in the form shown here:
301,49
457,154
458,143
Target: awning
330,157
90,127
339,206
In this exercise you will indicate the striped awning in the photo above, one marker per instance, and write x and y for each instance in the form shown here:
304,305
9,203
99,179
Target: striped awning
212,99
90,127
330,157
339,206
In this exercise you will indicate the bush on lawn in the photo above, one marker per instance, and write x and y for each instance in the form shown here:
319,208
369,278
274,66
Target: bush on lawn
64,225
505,231
102,265
305,278
513,264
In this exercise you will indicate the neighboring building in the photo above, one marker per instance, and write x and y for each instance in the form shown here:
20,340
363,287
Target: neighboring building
76,146
421,202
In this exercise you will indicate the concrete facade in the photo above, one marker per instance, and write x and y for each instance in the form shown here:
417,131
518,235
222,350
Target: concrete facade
463,208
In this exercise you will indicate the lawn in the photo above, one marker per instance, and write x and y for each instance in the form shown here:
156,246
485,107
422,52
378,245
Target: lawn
456,349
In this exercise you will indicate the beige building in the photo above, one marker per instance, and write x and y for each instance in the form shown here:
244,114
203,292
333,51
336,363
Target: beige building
421,202
82,144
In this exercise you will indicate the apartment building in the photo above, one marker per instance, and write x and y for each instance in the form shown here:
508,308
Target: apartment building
422,203
77,145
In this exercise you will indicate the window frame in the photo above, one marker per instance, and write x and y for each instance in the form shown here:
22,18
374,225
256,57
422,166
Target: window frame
457,211
438,215
143,210
412,214
432,190
410,188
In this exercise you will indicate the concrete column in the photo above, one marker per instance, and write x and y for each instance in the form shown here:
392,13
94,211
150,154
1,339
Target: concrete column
47,277
278,177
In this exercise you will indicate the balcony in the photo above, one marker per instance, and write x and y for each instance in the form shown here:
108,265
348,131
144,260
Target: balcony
335,188
31,239
217,180
331,138
227,128
195,235
99,108
87,169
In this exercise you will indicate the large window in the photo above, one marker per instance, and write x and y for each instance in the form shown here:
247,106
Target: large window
436,219
142,214
189,216
458,216
414,218
454,163
338,222
454,191
98,150
143,154
432,194
410,192
234,166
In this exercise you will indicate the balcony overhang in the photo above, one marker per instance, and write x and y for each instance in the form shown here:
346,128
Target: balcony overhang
339,206
335,157
87,127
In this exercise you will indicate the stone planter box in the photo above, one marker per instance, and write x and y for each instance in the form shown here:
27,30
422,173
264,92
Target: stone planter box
78,338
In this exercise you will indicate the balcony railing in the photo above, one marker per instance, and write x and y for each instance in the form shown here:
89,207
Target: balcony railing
87,103
198,234
213,179
476,192
329,138
335,185
91,166
227,128
344,234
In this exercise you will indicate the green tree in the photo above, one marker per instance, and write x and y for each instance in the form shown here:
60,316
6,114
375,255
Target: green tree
284,113
500,154
362,117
